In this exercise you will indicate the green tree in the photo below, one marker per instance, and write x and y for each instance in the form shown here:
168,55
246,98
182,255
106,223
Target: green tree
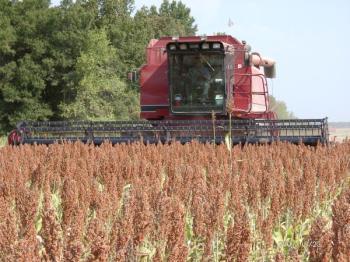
100,95
177,18
46,53
280,108
22,73
171,19
66,31
7,36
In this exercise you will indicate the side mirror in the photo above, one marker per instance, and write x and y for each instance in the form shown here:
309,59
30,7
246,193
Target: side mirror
133,76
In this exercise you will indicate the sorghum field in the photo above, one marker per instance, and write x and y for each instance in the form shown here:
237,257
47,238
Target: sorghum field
193,202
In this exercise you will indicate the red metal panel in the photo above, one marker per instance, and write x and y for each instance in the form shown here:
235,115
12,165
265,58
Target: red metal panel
248,90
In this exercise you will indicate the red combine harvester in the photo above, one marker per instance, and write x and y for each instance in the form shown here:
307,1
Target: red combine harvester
192,88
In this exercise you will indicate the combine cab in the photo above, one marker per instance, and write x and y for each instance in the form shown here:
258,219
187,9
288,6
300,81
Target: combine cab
192,88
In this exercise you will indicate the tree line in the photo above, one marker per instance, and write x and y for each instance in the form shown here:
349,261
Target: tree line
70,61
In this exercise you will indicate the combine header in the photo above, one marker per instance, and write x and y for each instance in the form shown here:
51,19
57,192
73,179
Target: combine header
192,88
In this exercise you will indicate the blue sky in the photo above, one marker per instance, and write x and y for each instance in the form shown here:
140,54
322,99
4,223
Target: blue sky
308,39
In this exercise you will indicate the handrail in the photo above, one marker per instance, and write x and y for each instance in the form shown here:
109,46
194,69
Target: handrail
265,92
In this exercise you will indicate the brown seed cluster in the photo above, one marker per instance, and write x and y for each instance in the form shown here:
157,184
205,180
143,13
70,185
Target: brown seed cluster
76,202
341,227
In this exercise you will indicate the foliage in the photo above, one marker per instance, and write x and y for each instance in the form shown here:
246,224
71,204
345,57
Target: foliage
22,67
135,203
100,94
280,108
44,51
3,141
